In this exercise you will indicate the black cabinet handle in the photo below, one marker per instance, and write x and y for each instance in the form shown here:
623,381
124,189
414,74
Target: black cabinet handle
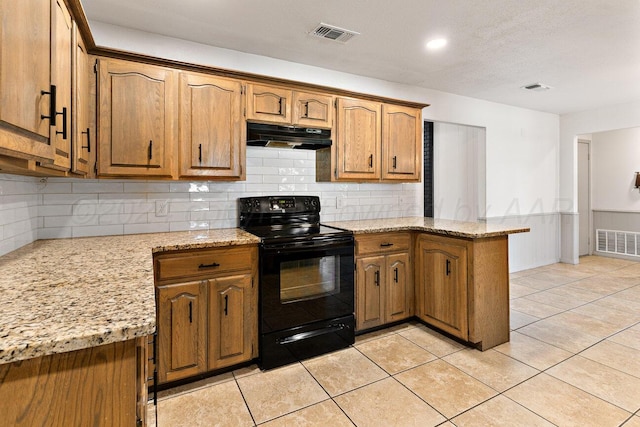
212,265
448,267
280,106
306,109
52,105
190,311
395,274
395,159
200,153
150,149
376,278
88,146
64,123
371,160
226,305
386,245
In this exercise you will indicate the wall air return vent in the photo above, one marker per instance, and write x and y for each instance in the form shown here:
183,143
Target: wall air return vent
536,87
326,31
618,242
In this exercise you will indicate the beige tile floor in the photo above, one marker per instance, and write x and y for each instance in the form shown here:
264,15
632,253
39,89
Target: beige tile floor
573,360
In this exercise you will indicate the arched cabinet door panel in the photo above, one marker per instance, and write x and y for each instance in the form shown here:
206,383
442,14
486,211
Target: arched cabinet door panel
181,330
211,128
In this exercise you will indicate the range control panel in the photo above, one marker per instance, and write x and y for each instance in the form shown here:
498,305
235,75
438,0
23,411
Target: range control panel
279,204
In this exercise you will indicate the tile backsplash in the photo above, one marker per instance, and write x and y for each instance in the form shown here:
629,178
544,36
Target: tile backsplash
34,208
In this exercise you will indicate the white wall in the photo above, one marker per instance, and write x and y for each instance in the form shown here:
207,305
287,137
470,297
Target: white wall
458,195
615,160
521,155
607,118
19,219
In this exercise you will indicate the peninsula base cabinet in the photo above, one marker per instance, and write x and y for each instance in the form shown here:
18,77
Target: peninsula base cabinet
384,285
207,302
97,386
462,287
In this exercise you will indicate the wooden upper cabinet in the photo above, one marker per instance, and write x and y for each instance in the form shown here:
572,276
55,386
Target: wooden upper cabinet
279,105
61,53
357,140
401,143
25,71
268,104
136,116
83,136
212,141
313,110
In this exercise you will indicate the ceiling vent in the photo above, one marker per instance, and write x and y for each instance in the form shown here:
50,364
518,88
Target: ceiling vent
334,33
536,87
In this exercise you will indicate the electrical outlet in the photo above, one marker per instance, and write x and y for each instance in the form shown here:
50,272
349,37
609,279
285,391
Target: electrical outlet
341,202
162,207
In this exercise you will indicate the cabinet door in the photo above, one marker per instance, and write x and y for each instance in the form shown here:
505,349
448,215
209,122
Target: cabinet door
83,140
232,320
369,292
211,127
313,110
268,104
136,119
399,294
61,48
24,73
442,284
357,144
401,143
181,331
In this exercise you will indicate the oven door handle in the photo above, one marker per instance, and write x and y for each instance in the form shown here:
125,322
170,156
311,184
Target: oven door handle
312,244
306,335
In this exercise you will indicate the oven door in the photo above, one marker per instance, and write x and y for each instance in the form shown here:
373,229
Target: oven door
306,299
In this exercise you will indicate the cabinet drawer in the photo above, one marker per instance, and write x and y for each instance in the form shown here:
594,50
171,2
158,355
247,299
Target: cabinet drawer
204,263
382,242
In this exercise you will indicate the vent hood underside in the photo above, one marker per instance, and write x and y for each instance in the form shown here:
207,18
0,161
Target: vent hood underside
262,135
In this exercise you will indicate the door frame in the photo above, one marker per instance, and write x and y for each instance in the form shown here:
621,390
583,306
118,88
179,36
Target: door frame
591,233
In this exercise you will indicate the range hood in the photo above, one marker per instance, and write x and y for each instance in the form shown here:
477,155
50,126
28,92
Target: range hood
262,135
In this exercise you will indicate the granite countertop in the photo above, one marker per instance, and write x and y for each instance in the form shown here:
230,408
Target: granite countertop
471,230
68,294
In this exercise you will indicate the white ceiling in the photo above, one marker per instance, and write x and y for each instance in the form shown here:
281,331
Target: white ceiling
587,50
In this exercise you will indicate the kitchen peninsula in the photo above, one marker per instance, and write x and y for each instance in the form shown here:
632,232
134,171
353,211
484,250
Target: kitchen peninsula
77,312
453,275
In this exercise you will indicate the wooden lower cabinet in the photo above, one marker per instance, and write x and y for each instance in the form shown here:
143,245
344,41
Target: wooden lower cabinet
97,386
232,313
442,275
181,330
207,310
384,285
462,287
369,292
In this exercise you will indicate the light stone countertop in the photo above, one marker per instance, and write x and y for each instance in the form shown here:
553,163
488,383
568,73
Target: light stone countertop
68,294
471,230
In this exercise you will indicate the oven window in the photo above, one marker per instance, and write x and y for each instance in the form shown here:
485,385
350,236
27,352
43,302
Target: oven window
309,278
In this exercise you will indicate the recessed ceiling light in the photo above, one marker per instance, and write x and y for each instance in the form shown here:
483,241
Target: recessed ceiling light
436,44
